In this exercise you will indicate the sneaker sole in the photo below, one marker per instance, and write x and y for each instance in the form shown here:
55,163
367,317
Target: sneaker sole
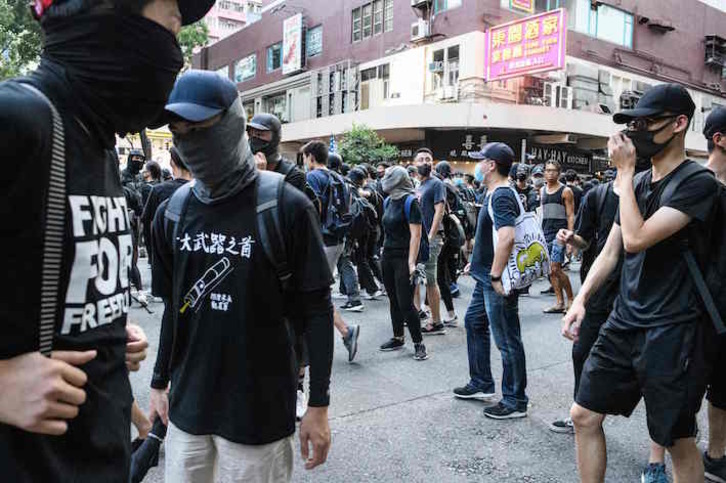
420,358
451,326
354,344
556,429
392,349
438,332
477,396
358,308
714,478
515,415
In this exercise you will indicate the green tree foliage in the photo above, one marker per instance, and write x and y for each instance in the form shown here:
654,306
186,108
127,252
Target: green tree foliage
20,38
192,37
363,145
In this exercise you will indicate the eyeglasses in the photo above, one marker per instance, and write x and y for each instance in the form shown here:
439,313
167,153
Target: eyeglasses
643,123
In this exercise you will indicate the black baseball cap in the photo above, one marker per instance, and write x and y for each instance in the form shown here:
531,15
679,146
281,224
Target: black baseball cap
673,98
199,95
194,10
500,153
715,122
191,10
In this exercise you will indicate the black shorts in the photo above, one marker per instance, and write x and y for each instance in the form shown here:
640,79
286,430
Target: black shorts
717,386
665,365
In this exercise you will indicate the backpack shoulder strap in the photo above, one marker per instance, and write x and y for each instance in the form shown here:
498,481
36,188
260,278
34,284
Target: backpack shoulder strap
55,216
175,209
601,196
687,172
407,206
269,224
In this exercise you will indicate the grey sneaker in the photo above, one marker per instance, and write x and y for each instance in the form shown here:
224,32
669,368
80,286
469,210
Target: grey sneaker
470,392
351,341
392,345
452,322
500,411
421,354
654,473
563,426
715,469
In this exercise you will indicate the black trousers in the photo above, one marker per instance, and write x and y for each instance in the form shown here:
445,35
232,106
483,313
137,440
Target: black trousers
589,331
398,284
366,259
447,260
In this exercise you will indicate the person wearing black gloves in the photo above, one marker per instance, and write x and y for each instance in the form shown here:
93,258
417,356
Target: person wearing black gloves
227,346
106,67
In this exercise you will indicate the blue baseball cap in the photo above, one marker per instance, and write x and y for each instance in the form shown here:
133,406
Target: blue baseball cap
497,152
199,95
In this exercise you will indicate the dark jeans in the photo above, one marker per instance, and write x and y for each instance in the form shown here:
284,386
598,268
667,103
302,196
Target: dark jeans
502,313
589,330
400,295
348,277
447,259
366,260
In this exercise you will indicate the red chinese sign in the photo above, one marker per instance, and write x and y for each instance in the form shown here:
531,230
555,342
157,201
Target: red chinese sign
527,46
523,5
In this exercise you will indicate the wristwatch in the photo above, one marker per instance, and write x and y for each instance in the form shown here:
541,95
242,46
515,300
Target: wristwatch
496,279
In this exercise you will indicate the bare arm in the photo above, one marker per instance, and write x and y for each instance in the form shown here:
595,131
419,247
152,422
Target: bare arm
505,242
639,234
569,197
414,244
438,216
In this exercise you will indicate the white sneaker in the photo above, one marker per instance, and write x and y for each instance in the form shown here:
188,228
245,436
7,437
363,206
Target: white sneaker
373,296
338,296
143,301
302,405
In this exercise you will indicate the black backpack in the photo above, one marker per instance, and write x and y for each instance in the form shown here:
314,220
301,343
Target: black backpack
588,256
336,217
711,286
269,188
286,169
364,218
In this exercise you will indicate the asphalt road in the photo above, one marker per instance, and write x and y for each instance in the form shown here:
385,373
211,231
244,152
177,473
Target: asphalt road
395,419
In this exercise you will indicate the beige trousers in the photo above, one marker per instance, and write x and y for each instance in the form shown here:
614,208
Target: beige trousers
212,459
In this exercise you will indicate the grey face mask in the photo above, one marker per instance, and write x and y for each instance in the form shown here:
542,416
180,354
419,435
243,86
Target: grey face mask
219,153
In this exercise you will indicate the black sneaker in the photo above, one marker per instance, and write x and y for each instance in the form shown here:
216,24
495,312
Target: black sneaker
423,315
351,341
715,469
549,291
563,426
392,345
470,392
500,411
421,354
436,329
353,306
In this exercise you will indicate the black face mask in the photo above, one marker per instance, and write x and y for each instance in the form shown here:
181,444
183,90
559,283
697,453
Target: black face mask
259,145
136,166
645,147
424,170
123,65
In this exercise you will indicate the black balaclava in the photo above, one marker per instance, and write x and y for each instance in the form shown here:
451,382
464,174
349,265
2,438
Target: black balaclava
135,165
271,148
121,66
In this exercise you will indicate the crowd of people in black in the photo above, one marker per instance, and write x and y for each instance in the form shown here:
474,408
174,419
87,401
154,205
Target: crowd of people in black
244,245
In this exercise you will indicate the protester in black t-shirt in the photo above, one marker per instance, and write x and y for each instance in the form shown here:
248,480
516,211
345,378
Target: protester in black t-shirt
572,183
402,225
227,345
652,343
107,67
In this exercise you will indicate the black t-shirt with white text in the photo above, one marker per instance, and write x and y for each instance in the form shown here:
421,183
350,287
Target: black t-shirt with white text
655,286
234,371
93,295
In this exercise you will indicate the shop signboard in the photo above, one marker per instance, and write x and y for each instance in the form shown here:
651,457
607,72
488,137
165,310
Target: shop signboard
292,44
522,5
580,161
527,46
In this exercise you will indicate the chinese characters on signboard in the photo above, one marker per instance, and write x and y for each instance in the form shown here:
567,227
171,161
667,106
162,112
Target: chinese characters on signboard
527,46
292,48
522,5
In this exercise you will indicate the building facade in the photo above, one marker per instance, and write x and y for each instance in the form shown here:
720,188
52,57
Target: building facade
544,76
229,16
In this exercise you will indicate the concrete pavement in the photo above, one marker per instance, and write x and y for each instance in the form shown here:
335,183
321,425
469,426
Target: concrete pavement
395,419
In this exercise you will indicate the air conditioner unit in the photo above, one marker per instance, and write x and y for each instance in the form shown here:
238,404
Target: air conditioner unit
557,95
447,93
420,30
628,99
420,3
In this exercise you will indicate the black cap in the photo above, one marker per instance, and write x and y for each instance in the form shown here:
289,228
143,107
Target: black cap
199,95
497,152
191,10
194,10
265,122
444,169
715,122
673,98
